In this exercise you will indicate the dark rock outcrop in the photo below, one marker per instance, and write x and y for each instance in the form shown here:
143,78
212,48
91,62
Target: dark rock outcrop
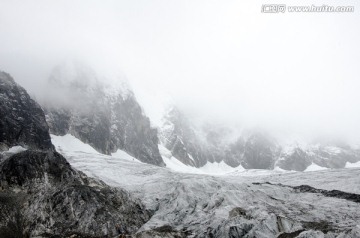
22,121
43,196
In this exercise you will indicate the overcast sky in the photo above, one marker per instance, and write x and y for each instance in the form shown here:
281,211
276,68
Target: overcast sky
292,73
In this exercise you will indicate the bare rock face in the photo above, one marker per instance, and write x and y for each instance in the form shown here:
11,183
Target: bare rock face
104,116
259,153
183,139
326,155
196,146
22,121
40,194
297,160
179,137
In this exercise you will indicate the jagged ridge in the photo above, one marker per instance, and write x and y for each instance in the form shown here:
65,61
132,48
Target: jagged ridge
40,194
196,146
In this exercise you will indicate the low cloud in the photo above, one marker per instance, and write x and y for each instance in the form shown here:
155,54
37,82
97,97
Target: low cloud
292,74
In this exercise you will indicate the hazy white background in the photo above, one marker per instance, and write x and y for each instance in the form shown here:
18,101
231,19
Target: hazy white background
291,73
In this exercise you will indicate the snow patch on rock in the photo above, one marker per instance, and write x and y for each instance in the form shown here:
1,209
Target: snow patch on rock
209,168
314,167
12,150
71,143
352,165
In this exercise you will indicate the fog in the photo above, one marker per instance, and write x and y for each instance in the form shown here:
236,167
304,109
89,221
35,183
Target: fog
294,74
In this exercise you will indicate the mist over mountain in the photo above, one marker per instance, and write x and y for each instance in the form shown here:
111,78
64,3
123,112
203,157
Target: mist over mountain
107,117
244,70
80,101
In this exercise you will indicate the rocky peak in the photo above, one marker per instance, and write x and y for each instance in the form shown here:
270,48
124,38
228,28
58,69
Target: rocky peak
196,145
41,195
106,117
22,119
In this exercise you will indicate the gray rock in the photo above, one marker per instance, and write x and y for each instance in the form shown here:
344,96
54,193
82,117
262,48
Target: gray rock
195,146
40,194
298,160
107,121
43,196
183,139
22,121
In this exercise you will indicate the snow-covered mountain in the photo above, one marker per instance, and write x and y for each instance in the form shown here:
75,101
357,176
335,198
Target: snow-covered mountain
108,117
66,188
41,195
196,145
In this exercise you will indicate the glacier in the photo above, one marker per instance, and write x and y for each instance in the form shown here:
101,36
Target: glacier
239,203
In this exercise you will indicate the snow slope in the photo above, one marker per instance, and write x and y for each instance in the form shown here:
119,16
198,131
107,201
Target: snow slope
71,143
314,167
11,151
352,165
209,168
232,204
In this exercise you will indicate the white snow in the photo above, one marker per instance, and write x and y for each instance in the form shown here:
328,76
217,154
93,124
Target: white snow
198,201
277,168
209,168
314,167
86,159
288,149
123,155
72,147
16,149
13,150
71,143
352,165
333,149
175,165
121,88
219,168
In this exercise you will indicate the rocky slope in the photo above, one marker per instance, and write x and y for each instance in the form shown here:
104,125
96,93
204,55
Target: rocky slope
195,146
41,195
22,120
106,117
325,155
